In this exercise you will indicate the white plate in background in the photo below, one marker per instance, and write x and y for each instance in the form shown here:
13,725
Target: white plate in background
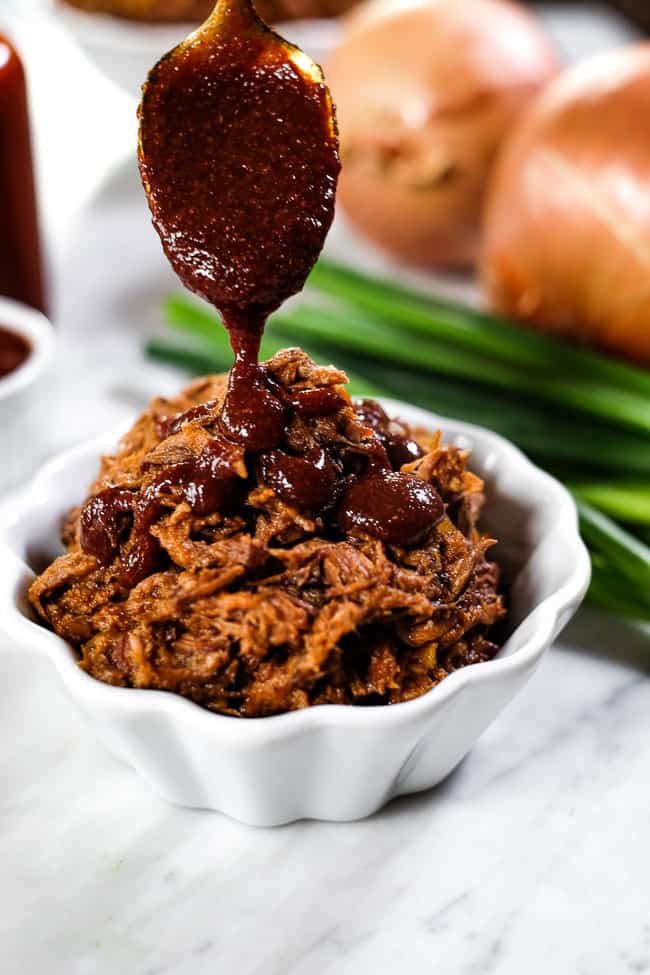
125,49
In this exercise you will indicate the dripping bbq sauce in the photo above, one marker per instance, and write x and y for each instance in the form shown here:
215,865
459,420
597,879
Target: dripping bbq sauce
239,159
207,482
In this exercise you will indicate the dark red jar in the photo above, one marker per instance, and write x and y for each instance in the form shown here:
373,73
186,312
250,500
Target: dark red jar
21,267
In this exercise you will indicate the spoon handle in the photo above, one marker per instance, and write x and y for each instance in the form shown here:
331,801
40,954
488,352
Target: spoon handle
231,18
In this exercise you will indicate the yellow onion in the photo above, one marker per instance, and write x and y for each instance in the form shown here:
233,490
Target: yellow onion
567,218
425,92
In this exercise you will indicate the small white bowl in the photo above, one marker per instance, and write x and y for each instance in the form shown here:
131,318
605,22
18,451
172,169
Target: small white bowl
19,394
125,50
328,762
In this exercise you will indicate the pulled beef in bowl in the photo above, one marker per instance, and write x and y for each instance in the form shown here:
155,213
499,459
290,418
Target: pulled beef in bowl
246,581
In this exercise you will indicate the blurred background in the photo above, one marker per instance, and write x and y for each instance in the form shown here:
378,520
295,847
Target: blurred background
637,11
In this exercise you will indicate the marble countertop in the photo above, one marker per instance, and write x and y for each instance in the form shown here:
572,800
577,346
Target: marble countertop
533,857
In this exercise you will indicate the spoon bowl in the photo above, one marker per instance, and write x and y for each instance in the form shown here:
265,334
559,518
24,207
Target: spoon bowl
238,154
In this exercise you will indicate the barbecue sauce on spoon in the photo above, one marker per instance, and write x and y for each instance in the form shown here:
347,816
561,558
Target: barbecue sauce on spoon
239,160
238,154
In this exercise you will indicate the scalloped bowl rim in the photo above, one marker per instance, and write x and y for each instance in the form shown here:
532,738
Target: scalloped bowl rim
14,574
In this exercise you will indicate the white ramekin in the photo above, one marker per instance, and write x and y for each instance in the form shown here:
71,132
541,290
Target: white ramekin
125,50
328,762
19,391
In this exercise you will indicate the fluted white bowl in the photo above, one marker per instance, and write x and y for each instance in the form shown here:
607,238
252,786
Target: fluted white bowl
331,762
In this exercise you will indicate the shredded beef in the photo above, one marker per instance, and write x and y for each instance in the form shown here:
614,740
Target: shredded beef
260,608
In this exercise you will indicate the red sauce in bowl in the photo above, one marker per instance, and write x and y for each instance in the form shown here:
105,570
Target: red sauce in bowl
14,350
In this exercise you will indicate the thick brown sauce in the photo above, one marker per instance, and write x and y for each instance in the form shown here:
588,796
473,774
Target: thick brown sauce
103,520
397,508
360,488
251,415
208,483
400,449
305,482
239,157
14,350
